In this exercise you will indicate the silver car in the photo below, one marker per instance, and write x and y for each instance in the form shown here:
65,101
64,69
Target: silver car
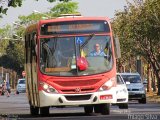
21,86
135,86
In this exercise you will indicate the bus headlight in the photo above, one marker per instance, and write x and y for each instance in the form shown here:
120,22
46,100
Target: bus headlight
109,84
47,88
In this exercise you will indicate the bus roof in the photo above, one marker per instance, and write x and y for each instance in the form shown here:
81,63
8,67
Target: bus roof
74,18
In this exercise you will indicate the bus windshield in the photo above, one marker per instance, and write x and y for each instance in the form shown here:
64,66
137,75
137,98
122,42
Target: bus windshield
65,56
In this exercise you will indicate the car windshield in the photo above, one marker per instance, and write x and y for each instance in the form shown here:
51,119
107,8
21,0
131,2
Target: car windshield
132,78
22,82
75,56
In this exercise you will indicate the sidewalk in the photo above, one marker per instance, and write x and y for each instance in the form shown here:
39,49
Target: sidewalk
153,98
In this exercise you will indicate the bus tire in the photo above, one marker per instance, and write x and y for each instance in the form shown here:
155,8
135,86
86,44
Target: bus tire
34,110
88,109
44,111
97,109
105,109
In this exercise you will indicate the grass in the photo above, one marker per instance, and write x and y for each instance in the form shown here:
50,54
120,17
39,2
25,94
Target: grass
153,97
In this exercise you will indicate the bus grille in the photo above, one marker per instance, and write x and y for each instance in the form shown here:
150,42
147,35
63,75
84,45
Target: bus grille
78,97
83,90
77,82
85,86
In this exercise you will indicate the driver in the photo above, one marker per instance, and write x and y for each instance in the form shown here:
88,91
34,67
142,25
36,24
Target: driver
97,51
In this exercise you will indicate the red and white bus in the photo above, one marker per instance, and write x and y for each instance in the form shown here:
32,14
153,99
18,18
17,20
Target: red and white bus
60,69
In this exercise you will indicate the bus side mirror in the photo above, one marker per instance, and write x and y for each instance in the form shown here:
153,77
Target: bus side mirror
117,48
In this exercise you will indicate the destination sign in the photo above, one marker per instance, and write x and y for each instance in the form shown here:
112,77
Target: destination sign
74,27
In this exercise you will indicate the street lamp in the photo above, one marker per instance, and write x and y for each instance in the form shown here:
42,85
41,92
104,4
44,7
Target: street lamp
7,38
15,23
17,36
139,65
35,11
126,9
20,25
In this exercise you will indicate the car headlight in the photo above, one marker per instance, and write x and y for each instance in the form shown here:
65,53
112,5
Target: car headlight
125,90
47,88
141,89
121,91
109,84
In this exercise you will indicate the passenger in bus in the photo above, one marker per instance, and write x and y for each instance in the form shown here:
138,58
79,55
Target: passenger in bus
97,51
63,56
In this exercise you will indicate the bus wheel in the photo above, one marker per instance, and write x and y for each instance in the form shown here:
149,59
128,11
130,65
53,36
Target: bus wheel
44,111
88,109
97,109
105,109
34,110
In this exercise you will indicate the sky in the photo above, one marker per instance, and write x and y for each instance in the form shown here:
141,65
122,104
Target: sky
86,8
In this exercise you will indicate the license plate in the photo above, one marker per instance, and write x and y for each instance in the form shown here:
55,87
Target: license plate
131,93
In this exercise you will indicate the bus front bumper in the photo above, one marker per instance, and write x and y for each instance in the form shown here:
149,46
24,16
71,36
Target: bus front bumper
47,99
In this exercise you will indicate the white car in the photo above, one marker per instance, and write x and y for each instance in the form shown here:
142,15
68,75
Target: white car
121,93
21,85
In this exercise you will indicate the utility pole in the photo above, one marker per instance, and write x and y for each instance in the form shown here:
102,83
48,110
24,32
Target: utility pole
2,72
139,65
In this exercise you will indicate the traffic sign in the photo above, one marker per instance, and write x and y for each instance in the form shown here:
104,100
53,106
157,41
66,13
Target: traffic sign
79,40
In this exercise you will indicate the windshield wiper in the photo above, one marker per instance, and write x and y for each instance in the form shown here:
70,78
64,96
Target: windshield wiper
89,38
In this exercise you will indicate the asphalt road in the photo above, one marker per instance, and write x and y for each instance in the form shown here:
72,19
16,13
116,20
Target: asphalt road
16,107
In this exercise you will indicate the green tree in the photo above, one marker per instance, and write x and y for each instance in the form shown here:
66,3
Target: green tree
7,53
61,8
139,26
64,8
5,33
5,4
13,55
